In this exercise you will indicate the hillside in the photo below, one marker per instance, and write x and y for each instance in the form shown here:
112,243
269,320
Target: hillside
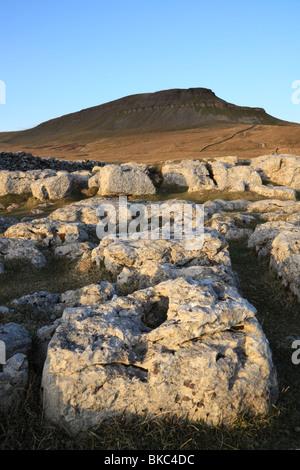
168,124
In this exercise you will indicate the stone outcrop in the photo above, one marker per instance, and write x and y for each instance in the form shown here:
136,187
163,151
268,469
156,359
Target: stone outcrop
20,182
281,169
115,180
273,192
233,177
146,352
191,174
182,347
279,241
55,187
17,249
46,232
172,334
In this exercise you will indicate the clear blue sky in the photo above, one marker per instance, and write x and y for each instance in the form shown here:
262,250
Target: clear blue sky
58,57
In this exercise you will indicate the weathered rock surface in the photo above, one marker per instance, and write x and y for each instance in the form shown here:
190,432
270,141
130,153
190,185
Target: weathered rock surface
84,211
47,232
191,174
280,169
227,226
273,192
13,380
17,249
54,187
234,178
114,180
6,222
19,182
181,347
54,303
274,209
280,241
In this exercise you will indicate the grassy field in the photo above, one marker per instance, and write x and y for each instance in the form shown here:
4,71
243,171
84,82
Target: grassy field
24,426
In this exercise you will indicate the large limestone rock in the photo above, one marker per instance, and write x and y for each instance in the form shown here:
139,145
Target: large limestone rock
182,347
285,259
143,262
281,169
55,187
84,211
19,182
273,192
279,240
48,232
226,226
264,235
114,180
191,174
274,209
17,249
234,178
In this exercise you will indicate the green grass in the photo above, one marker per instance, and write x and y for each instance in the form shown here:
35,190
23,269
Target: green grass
26,203
58,276
199,197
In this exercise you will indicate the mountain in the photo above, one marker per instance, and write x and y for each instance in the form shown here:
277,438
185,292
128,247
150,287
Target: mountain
161,112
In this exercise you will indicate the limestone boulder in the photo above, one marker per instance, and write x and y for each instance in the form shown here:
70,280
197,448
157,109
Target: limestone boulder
234,178
19,182
48,232
273,192
285,259
281,169
226,226
264,234
54,304
274,209
17,249
6,222
117,254
182,347
114,180
84,211
54,187
191,174
280,241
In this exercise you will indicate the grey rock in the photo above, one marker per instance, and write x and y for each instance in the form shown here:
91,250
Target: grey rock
16,339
